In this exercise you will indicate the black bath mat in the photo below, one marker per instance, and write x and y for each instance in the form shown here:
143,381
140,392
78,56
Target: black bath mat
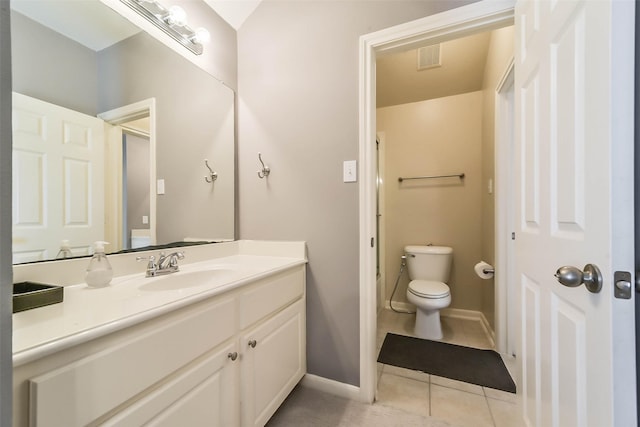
471,365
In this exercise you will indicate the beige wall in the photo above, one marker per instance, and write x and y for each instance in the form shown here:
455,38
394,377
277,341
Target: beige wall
439,136
498,58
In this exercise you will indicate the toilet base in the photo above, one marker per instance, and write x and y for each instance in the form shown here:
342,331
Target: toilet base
428,315
428,324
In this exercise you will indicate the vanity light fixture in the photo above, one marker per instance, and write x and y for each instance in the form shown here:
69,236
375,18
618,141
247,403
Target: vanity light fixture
173,21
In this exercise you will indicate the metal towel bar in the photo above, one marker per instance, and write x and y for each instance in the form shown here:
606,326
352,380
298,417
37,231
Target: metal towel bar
458,175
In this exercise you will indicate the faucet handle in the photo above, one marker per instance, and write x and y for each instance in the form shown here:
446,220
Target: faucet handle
173,262
152,261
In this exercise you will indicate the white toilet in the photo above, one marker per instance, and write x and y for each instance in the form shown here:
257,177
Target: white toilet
429,268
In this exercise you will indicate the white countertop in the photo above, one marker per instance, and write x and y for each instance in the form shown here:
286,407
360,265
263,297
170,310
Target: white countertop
87,313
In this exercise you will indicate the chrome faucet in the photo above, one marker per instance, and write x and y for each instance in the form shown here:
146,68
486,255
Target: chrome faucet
166,263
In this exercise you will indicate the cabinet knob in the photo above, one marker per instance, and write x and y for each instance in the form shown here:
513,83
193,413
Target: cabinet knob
233,356
253,343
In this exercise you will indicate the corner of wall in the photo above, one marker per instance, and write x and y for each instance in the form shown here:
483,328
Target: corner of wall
6,272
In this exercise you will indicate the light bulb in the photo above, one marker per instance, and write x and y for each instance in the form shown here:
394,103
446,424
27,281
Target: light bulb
201,35
176,16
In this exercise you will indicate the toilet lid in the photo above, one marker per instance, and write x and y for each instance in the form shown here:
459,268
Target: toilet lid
428,288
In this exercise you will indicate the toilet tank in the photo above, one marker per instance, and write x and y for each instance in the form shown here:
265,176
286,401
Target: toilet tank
429,262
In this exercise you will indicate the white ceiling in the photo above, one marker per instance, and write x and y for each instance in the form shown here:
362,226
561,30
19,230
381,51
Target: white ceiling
235,12
398,80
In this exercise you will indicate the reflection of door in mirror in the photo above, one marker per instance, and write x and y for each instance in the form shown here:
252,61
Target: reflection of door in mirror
57,157
130,163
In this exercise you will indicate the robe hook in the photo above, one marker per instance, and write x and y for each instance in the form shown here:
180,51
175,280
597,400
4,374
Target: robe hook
265,169
212,175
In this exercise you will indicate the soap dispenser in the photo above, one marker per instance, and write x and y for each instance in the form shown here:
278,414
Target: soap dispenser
99,272
65,250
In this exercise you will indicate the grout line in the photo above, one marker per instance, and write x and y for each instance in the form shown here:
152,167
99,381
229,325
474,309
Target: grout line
493,418
430,396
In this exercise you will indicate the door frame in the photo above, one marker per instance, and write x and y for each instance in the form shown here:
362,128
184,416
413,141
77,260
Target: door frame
505,301
381,296
481,16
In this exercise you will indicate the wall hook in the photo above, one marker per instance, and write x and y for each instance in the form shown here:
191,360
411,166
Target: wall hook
212,175
265,169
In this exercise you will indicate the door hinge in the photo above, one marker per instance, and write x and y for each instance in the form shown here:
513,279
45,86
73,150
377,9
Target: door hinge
513,235
372,241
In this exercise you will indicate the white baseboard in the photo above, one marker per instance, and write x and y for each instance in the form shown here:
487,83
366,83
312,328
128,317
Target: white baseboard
488,330
471,315
333,387
404,306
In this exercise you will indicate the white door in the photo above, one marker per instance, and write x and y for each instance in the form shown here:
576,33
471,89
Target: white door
58,185
574,149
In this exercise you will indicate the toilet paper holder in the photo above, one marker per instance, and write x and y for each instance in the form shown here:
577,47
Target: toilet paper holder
484,270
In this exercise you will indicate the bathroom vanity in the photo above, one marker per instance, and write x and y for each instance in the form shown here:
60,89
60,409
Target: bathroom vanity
221,342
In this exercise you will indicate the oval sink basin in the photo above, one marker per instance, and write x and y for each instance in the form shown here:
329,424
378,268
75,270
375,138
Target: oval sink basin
183,279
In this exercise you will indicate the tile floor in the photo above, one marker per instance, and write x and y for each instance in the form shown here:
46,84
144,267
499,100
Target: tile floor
410,398
460,404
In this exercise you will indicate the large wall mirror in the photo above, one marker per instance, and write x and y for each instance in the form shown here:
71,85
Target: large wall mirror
111,132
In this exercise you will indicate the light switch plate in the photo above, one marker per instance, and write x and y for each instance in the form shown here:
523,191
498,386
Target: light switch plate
145,219
160,186
349,173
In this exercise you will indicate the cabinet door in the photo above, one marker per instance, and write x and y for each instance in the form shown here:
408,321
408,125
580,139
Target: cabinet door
273,361
205,394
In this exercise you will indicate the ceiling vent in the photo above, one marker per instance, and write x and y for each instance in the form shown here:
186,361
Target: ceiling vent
429,57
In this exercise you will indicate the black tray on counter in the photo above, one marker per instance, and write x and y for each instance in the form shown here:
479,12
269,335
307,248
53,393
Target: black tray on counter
28,295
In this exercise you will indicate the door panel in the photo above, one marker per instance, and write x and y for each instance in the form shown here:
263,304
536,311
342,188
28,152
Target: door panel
530,359
568,125
529,94
568,355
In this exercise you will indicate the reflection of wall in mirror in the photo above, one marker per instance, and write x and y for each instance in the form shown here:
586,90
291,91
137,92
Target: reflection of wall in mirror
50,67
136,184
195,121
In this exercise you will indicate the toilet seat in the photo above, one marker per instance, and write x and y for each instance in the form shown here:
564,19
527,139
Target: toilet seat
428,289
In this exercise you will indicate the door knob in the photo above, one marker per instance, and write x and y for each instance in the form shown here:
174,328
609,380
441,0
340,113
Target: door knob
573,277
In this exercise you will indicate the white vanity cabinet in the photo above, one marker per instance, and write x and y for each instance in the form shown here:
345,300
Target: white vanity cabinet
229,360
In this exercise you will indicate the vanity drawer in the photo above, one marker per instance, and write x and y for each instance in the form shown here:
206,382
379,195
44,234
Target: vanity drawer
68,396
270,295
